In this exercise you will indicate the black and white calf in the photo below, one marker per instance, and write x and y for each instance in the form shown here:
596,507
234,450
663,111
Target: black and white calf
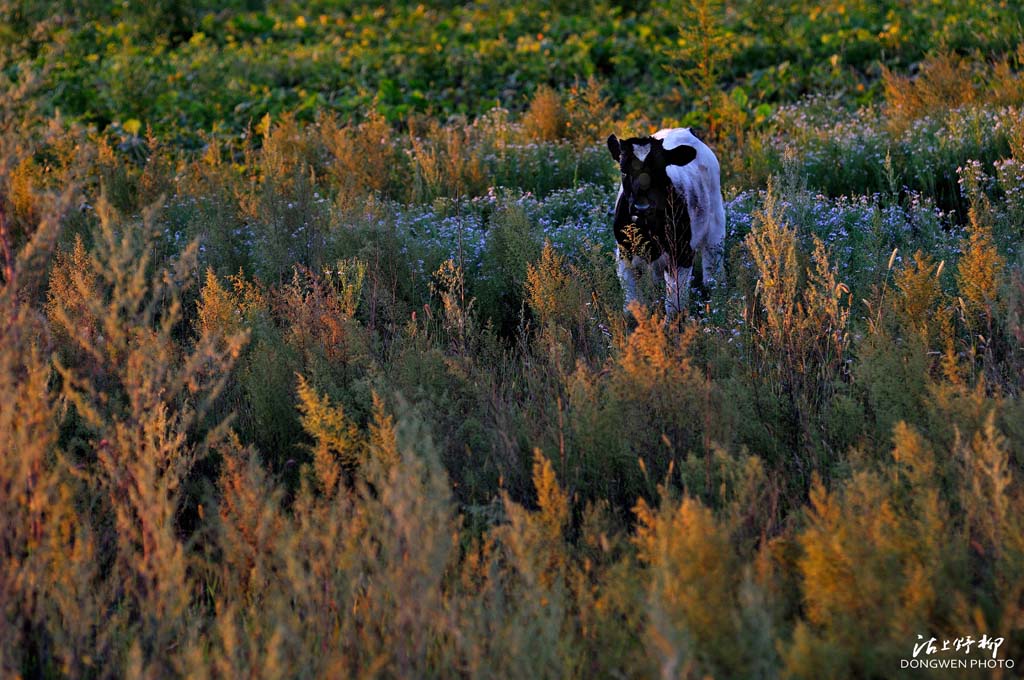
669,206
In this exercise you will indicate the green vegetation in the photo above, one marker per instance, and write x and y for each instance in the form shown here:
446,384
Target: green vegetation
313,363
192,65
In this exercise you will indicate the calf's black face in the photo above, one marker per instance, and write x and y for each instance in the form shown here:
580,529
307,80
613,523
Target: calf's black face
647,193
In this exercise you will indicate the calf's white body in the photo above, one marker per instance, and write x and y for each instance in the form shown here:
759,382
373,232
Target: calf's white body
698,184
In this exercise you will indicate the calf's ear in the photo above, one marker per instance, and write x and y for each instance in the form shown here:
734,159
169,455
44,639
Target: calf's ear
680,155
613,146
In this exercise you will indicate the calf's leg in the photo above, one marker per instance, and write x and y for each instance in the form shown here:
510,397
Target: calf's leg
712,258
627,278
677,283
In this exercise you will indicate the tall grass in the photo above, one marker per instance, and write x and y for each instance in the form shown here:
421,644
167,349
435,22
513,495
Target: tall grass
358,400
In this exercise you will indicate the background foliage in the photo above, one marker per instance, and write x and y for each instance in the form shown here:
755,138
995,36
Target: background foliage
313,359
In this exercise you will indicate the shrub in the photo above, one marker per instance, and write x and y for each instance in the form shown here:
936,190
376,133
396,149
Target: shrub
139,404
797,323
545,120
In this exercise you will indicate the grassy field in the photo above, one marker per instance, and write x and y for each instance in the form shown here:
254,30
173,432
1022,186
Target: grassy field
313,360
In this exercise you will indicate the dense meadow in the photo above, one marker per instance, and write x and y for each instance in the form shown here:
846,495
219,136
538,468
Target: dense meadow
313,361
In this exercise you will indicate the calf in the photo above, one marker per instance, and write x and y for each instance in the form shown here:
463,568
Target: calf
669,206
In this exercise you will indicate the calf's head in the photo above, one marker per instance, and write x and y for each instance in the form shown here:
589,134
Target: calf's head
645,182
